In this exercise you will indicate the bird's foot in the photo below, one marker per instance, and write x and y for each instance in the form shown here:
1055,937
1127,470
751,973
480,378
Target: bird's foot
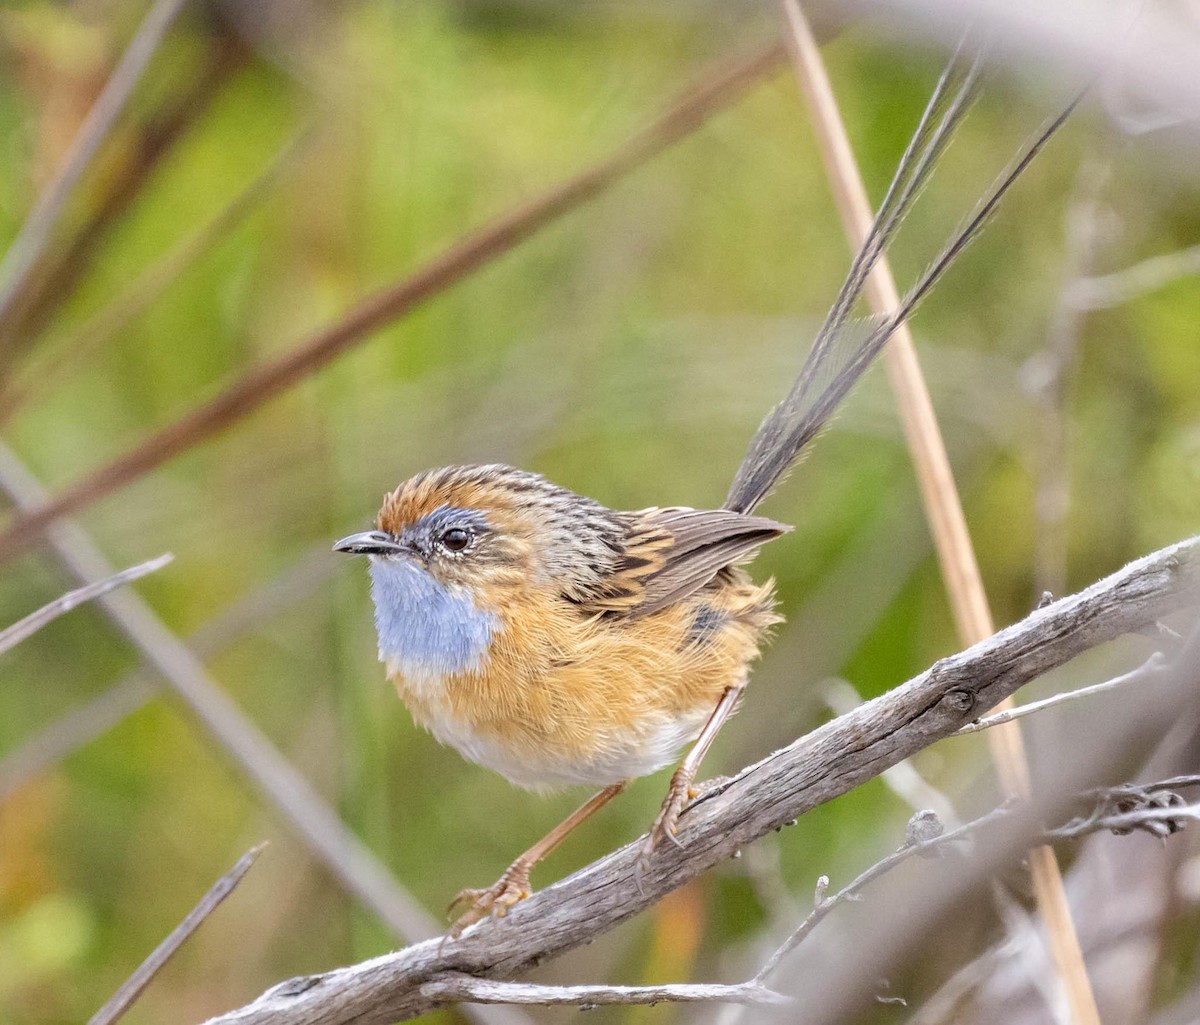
678,794
508,890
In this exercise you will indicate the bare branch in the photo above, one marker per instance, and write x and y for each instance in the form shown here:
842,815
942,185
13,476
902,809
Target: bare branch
902,779
686,113
1155,808
732,813
1155,666
824,905
1167,817
132,988
13,635
456,987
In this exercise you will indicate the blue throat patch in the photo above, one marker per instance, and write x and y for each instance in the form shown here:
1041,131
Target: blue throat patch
422,624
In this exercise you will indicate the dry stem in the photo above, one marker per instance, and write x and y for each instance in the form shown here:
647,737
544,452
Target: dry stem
956,555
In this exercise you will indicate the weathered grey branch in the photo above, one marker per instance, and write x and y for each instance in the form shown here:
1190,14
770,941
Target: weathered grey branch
733,812
915,844
456,987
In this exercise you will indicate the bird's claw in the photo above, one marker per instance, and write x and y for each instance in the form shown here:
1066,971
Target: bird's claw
665,825
509,890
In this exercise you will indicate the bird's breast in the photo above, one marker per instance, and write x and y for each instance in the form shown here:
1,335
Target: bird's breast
426,629
548,696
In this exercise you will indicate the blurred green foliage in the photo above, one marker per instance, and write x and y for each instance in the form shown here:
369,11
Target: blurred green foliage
626,351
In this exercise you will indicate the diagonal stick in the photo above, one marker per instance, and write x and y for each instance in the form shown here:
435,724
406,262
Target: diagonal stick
289,793
717,89
35,232
13,635
956,555
114,318
120,1002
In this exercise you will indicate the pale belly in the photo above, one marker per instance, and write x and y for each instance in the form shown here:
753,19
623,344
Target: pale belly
657,742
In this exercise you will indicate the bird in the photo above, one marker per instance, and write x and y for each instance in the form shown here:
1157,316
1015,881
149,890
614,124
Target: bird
559,642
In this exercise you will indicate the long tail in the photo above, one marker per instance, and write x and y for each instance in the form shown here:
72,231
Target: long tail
843,348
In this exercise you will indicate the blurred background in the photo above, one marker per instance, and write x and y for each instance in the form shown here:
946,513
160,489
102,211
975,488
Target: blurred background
278,164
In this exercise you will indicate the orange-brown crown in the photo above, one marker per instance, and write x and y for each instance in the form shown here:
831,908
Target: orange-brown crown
487,488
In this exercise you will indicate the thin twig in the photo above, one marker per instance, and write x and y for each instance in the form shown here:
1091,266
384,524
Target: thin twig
943,508
1156,665
1190,779
91,719
1107,290
1140,818
824,905
35,232
13,635
132,988
716,89
456,987
117,316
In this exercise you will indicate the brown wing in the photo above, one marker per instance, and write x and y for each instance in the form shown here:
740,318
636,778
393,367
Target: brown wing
671,553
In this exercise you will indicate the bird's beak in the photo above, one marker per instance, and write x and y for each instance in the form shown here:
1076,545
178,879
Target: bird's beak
369,542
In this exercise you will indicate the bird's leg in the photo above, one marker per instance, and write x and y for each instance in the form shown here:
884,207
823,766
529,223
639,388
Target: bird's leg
513,885
681,790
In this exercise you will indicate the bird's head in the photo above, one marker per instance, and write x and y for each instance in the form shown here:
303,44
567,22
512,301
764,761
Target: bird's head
455,547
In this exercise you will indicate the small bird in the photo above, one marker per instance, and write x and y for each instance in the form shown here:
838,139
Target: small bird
559,642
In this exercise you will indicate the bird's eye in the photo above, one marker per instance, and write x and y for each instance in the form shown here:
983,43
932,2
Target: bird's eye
455,539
